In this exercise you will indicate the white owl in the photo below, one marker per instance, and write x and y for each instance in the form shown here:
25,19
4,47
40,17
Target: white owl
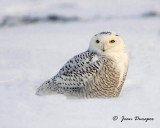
98,72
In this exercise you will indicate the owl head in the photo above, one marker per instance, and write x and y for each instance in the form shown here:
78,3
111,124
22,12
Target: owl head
106,42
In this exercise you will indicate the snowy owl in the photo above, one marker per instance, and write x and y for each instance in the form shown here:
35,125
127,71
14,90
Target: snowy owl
98,72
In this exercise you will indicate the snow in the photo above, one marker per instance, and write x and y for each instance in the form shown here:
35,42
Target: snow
31,54
82,8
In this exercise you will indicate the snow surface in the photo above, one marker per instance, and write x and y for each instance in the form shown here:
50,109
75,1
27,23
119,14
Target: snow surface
80,8
31,54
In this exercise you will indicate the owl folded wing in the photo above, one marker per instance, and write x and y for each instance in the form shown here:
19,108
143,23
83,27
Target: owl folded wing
78,70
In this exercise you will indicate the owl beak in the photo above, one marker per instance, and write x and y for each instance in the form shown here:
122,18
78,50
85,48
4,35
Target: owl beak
103,49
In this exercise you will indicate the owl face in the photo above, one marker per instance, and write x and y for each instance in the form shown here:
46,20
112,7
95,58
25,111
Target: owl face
106,42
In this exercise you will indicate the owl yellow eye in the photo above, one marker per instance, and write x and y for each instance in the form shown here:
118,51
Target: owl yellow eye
111,41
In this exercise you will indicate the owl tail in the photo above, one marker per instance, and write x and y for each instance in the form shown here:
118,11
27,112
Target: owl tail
47,88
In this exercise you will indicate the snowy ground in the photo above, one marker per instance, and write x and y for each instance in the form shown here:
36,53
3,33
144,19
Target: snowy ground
31,54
